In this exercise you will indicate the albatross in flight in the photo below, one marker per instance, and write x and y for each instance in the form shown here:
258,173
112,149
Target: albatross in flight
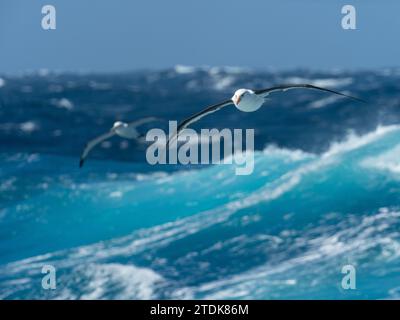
249,101
122,129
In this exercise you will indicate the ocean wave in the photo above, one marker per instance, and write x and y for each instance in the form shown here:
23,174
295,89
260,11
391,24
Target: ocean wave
388,161
62,103
26,127
328,82
128,281
89,273
323,259
324,192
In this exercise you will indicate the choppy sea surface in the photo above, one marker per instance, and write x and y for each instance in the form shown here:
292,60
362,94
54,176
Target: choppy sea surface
325,191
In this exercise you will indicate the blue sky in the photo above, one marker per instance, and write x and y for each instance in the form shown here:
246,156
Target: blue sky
123,35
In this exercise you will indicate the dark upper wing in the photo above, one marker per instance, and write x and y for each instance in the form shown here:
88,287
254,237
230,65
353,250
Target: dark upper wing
185,123
266,92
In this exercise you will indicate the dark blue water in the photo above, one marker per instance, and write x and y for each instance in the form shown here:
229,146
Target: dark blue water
325,191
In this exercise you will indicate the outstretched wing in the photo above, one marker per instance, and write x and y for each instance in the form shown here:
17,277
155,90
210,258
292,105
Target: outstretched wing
266,92
143,121
196,117
91,144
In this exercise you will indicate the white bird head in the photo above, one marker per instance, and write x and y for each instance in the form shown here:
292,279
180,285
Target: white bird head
246,100
118,124
237,97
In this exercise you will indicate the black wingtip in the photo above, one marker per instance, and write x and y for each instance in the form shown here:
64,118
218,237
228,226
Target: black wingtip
170,140
355,98
337,92
81,162
167,145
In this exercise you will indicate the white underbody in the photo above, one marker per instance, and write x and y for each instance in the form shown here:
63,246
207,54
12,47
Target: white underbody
126,131
249,102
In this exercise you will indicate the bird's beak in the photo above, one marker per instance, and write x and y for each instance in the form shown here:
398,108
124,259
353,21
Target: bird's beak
236,100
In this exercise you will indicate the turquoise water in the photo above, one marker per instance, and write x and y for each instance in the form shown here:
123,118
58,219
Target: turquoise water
325,191
286,231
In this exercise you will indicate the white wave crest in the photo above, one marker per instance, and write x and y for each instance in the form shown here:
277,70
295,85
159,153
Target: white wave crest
388,161
290,154
326,254
120,281
327,82
285,183
354,141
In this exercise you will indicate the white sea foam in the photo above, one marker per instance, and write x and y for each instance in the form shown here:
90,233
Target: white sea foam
355,141
222,78
105,280
285,183
327,82
116,194
29,126
388,161
341,82
221,83
182,69
323,102
120,281
275,189
287,154
62,103
228,69
326,252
